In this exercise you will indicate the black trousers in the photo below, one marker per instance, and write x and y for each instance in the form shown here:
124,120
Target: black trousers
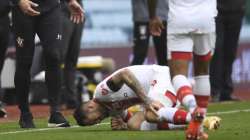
4,41
141,44
228,27
48,27
71,42
4,38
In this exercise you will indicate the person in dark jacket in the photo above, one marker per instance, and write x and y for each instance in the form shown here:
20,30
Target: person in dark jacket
228,25
4,39
142,34
41,17
71,43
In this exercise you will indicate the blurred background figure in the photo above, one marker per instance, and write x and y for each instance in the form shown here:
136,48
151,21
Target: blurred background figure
228,26
71,42
142,34
4,40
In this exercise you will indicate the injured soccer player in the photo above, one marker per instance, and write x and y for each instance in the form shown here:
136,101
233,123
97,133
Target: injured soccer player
148,85
136,121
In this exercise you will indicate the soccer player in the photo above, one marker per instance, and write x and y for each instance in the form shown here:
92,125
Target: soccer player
137,121
149,85
41,17
191,35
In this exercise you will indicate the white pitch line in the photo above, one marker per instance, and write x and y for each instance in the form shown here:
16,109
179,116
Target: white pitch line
44,129
35,130
76,126
228,112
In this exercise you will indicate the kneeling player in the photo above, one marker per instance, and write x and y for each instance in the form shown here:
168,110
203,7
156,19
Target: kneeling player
147,85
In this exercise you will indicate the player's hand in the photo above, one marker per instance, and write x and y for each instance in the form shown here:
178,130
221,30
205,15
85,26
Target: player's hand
157,105
156,26
117,123
27,6
154,106
77,12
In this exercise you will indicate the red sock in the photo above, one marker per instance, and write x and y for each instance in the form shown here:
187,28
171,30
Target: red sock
180,117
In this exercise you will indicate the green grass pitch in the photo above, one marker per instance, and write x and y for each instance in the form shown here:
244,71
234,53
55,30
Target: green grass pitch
235,126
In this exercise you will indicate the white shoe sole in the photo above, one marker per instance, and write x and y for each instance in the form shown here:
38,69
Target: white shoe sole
53,125
3,113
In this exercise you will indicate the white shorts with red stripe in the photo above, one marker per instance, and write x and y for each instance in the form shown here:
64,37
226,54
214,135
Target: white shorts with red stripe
183,46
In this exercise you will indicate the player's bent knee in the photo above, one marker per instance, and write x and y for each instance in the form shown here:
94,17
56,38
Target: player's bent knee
134,125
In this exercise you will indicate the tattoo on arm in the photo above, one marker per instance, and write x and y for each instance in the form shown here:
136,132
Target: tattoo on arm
112,85
127,77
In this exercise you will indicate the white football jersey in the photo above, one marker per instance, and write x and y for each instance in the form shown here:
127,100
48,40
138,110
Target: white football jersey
195,16
152,78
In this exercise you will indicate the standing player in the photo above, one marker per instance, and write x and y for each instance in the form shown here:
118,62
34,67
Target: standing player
149,85
191,34
41,17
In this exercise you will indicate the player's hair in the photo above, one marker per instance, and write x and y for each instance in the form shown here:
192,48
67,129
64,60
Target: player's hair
80,115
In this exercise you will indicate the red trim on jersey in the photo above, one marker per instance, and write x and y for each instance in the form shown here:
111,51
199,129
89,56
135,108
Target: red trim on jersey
206,57
180,117
163,126
181,55
202,101
128,116
172,97
183,92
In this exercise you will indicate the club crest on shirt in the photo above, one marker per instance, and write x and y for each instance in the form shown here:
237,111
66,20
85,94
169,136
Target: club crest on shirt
153,82
19,41
104,91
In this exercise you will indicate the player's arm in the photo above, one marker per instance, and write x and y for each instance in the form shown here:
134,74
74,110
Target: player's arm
155,23
125,76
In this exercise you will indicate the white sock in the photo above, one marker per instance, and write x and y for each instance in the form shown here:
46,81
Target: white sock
184,92
202,91
146,126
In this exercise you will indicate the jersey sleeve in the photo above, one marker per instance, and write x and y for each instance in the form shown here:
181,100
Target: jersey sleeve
102,89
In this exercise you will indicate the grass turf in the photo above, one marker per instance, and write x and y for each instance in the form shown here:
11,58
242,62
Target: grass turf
235,126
